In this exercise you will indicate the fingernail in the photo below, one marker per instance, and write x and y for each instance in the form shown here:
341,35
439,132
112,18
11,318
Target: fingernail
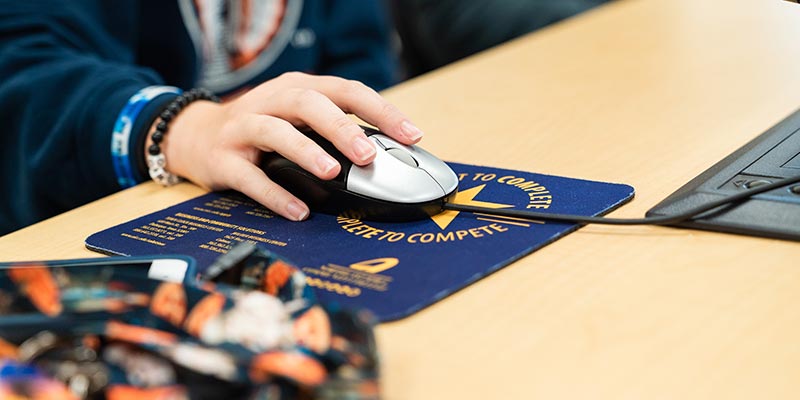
296,211
326,163
410,131
364,148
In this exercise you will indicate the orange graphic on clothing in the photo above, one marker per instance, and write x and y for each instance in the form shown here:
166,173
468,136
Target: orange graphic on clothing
43,389
277,275
5,393
123,392
8,350
38,284
169,302
207,308
91,341
138,334
246,52
295,366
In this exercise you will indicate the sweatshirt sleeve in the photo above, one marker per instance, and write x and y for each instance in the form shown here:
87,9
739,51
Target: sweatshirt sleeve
67,69
357,43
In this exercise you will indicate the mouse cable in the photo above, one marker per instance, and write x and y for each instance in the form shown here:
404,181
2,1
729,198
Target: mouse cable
660,220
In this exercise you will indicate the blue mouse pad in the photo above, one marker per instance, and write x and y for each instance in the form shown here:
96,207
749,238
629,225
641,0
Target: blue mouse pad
393,269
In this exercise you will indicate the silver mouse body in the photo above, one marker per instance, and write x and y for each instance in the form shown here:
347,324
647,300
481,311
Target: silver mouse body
402,174
403,183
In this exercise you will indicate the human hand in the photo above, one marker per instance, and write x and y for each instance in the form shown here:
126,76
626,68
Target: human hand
219,146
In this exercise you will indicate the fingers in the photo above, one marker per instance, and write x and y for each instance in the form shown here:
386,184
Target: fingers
361,100
265,119
314,109
268,133
247,178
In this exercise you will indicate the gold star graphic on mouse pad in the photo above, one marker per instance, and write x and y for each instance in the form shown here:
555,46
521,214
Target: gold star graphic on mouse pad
465,197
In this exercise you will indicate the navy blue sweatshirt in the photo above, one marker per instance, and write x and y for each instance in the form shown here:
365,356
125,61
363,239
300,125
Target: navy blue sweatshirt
67,69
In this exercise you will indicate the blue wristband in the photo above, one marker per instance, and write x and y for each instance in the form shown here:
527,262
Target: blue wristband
121,138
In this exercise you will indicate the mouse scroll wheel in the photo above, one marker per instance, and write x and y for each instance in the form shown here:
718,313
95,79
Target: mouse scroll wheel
403,156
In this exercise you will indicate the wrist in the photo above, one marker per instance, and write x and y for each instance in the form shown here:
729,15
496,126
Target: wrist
182,141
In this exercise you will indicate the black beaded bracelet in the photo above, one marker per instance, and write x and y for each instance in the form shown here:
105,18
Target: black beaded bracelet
156,162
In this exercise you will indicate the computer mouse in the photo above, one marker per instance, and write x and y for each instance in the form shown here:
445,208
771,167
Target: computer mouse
403,183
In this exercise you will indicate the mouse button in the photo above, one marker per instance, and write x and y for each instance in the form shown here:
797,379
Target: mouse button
379,144
389,179
438,169
403,155
396,149
385,141
412,151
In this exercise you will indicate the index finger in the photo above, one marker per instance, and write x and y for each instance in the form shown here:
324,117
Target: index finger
357,98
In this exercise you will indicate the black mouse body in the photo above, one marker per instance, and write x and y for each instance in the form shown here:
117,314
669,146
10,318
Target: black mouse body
403,183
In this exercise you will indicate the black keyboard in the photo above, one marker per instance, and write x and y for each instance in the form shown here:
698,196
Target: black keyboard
771,156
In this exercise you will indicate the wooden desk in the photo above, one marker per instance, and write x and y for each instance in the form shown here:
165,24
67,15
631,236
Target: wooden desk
646,92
